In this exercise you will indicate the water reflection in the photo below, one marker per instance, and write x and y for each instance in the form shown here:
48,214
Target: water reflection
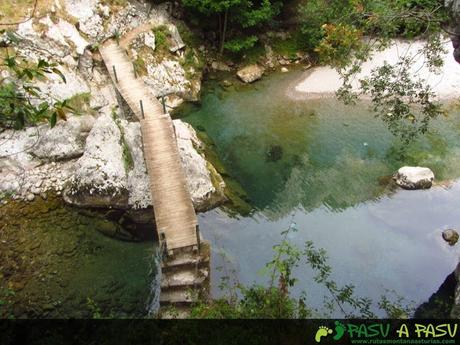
329,165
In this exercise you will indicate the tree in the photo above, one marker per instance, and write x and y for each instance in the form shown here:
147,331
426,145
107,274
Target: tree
21,103
240,17
336,29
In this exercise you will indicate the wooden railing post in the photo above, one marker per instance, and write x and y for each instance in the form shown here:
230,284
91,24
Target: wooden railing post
142,108
163,101
115,73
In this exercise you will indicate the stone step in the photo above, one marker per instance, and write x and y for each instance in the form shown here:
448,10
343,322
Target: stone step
174,312
189,260
183,277
177,296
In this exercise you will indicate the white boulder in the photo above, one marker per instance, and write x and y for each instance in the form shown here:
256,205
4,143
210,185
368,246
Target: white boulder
251,73
65,141
199,182
414,177
100,177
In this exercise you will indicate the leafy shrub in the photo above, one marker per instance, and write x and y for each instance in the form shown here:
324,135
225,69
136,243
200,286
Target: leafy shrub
21,102
238,45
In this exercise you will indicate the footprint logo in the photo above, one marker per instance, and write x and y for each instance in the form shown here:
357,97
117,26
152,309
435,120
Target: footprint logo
323,331
339,330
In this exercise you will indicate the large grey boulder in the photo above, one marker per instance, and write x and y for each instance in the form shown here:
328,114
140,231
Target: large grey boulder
414,177
100,177
138,180
167,77
65,141
177,43
112,170
197,170
250,73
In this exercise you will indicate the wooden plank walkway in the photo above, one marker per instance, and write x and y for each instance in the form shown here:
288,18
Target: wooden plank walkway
174,213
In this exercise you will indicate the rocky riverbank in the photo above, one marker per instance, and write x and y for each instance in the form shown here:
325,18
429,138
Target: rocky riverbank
94,158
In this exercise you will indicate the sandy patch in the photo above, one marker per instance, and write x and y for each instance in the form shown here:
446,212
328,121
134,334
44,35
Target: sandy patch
324,81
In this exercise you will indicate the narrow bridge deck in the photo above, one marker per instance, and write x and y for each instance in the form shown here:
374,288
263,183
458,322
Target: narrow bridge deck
174,213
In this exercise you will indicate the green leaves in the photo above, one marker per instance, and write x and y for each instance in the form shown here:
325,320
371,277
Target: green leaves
21,101
239,20
238,45
406,104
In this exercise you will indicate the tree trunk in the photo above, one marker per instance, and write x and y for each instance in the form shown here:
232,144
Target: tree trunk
219,30
224,32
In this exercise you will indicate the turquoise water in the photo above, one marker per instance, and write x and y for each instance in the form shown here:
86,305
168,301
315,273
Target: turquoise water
326,165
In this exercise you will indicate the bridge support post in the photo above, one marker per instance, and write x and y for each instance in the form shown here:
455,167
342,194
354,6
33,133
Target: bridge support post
163,245
115,73
198,240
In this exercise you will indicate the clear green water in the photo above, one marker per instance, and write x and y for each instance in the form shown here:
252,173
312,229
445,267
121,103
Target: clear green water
55,263
326,165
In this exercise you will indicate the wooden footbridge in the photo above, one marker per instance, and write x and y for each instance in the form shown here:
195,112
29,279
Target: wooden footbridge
185,265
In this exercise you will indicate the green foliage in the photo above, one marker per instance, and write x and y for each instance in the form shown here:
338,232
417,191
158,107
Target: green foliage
94,309
128,161
21,103
395,309
140,66
237,20
162,35
290,46
238,45
406,104
387,19
272,301
334,29
316,13
6,302
80,103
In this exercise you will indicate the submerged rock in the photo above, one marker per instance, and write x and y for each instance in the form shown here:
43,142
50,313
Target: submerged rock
414,177
220,66
274,153
250,73
450,236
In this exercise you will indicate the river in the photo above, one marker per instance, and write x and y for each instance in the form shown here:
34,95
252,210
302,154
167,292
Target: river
325,167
